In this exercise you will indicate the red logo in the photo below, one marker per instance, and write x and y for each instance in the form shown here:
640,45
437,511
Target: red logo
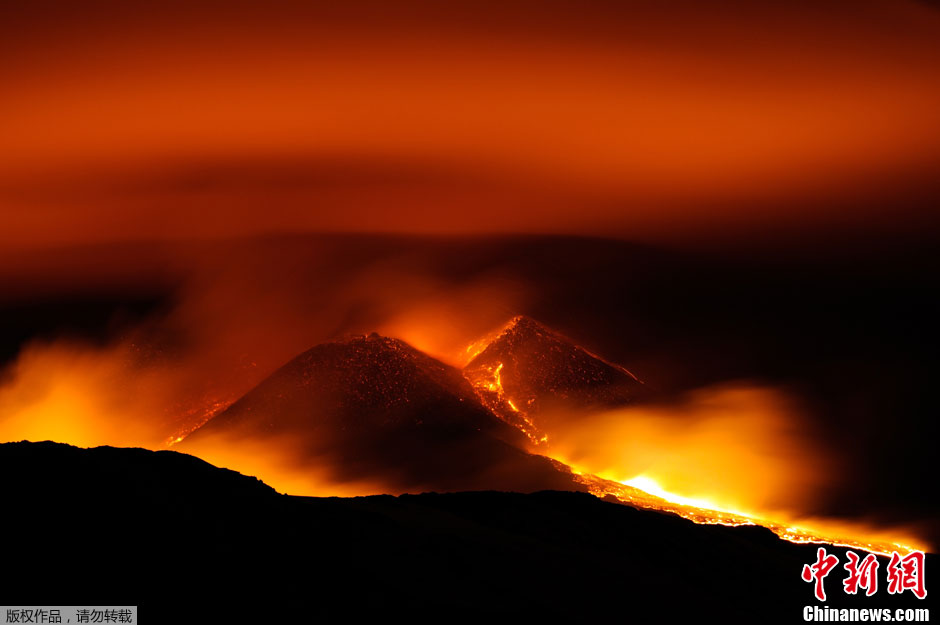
818,571
905,573
861,576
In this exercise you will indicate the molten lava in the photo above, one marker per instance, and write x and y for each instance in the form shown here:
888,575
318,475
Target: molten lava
526,372
644,492
560,396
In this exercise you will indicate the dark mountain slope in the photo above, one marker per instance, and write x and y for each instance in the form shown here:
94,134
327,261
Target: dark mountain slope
375,409
181,537
527,372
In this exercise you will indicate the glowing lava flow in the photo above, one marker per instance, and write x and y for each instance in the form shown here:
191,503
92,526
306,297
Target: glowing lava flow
489,388
195,417
643,491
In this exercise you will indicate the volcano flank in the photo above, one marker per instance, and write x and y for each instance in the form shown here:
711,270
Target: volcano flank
528,372
375,409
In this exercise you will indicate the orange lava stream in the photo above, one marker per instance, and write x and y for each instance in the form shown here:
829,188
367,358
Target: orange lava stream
643,491
824,531
489,389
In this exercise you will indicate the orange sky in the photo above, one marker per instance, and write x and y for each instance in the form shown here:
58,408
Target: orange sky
642,119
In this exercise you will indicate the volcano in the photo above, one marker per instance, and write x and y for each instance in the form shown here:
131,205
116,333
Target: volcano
528,372
374,409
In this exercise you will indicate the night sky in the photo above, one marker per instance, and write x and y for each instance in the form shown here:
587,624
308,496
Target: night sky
643,120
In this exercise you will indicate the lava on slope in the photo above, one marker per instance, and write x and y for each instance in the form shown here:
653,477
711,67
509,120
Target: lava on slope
374,410
531,377
528,368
